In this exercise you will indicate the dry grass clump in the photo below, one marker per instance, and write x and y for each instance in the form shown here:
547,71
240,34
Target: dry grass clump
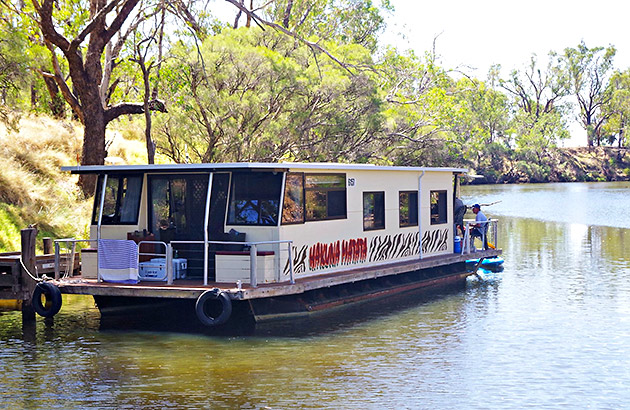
33,190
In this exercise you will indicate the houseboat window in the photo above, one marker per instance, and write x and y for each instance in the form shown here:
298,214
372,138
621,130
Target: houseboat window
255,199
408,208
373,210
177,206
325,196
122,200
438,207
293,203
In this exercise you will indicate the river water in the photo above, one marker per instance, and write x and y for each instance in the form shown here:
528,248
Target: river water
550,331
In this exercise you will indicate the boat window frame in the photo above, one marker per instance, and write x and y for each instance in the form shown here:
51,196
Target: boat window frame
342,188
412,209
284,200
233,180
375,209
441,216
121,196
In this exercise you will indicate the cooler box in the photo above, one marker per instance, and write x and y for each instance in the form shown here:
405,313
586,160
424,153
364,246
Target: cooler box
155,269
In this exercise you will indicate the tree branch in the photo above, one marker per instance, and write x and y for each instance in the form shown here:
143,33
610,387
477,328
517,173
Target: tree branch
132,108
289,33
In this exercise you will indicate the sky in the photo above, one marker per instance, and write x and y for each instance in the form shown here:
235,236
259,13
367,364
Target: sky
471,36
482,33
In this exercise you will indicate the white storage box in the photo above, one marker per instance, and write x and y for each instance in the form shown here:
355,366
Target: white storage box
152,271
88,263
155,269
232,266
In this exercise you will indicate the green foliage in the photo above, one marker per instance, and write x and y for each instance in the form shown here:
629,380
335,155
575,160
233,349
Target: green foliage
533,172
346,21
258,96
589,71
617,109
13,71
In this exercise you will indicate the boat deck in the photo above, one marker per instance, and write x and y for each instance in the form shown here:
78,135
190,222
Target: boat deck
193,288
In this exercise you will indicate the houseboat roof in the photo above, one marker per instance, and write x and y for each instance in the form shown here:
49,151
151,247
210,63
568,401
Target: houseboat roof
271,166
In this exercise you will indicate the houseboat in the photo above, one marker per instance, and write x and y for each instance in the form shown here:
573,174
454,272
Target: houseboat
238,244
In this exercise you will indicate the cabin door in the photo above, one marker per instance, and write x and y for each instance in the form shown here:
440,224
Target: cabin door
177,206
177,209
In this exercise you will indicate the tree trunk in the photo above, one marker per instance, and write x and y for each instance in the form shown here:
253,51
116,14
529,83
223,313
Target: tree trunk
57,103
93,143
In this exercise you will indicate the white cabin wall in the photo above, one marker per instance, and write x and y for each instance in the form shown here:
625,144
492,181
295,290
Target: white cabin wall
437,239
383,245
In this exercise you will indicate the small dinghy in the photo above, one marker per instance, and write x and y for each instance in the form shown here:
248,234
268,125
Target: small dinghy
492,264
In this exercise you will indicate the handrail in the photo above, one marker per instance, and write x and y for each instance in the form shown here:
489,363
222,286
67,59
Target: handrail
470,223
253,279
58,253
150,253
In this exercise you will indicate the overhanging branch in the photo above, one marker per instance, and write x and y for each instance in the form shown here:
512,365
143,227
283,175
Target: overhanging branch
132,108
290,33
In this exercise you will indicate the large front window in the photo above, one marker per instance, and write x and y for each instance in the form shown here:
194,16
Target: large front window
255,199
122,200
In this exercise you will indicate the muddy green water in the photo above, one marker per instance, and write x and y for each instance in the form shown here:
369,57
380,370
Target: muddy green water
550,331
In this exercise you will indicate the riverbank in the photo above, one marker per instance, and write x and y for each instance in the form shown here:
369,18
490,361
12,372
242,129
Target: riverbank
577,164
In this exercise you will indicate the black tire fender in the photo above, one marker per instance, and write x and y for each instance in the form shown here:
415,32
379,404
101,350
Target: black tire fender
52,294
226,307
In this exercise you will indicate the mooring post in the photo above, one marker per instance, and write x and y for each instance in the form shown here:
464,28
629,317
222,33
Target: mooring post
48,245
28,237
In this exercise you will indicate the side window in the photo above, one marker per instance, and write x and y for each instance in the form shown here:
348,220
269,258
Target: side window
255,199
373,210
408,208
122,200
325,196
293,203
438,207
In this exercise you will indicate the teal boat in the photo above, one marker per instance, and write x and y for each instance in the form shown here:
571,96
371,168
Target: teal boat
493,264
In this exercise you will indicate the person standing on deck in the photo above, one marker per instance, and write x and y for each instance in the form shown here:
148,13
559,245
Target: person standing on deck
480,228
459,209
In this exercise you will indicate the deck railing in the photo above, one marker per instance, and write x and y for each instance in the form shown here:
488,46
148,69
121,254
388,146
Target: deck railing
490,234
70,243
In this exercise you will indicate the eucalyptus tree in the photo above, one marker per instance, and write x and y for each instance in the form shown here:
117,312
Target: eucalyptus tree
589,70
419,109
90,35
617,109
254,95
345,21
480,126
538,94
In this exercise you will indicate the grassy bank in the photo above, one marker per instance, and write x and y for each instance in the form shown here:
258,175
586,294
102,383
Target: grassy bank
33,190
